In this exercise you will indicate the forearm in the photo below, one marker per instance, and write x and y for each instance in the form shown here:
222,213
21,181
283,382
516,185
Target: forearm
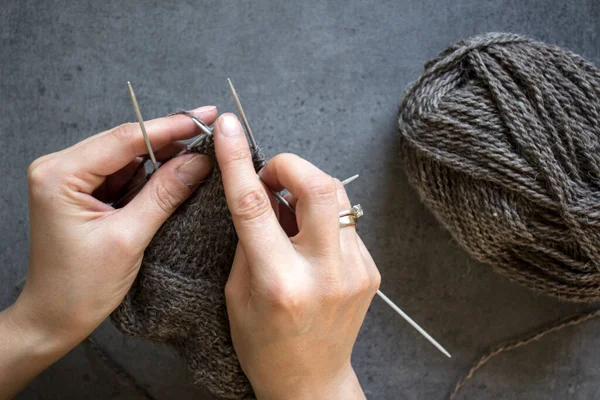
25,351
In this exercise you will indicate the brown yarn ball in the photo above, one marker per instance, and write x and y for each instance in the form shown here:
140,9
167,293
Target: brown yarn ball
501,139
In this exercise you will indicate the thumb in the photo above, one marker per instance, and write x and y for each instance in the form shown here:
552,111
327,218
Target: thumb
170,186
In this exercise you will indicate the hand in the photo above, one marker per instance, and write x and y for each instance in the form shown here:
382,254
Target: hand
295,304
85,254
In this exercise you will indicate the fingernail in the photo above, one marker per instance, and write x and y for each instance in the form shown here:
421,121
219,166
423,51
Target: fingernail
229,125
194,171
202,109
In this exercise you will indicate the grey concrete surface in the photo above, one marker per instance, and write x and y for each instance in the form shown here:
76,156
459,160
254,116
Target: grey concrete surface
322,79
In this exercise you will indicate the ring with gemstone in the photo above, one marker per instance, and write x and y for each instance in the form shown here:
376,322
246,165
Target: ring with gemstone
349,217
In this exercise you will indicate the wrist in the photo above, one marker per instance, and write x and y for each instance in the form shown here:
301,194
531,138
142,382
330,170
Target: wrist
36,338
26,351
342,386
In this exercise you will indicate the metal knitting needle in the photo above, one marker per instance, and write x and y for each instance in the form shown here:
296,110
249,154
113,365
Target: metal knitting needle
236,99
398,310
206,132
138,114
413,323
286,203
279,197
347,181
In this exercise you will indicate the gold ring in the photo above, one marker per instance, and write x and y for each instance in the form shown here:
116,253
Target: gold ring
349,217
347,220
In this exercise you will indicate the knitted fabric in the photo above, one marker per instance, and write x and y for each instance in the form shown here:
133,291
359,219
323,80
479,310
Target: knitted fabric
501,139
178,296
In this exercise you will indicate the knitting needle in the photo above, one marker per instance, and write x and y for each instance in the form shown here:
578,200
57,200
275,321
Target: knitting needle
142,126
206,132
413,323
279,197
286,203
236,99
136,109
398,310
347,181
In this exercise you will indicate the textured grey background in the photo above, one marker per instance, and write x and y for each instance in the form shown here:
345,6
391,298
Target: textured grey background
321,79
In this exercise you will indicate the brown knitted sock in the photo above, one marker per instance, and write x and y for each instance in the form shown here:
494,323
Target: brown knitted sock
178,297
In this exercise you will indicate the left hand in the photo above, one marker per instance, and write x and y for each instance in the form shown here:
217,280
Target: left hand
85,254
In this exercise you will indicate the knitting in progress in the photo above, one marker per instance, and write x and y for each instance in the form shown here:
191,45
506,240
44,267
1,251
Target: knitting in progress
501,139
178,296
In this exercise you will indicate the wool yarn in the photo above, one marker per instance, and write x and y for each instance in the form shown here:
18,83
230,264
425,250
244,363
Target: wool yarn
178,296
501,139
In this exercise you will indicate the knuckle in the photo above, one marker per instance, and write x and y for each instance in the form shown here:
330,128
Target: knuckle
287,297
35,174
283,158
375,280
37,162
125,242
165,197
363,284
124,132
319,189
238,156
252,205
38,175
230,291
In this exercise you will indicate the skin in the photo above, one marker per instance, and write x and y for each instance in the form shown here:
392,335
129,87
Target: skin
299,286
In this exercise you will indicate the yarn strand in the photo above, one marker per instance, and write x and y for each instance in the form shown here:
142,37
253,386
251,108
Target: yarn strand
515,344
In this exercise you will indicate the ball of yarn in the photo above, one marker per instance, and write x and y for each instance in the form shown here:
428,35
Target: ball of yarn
501,139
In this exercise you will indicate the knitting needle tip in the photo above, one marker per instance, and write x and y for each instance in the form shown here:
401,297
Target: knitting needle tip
413,323
138,114
240,109
347,181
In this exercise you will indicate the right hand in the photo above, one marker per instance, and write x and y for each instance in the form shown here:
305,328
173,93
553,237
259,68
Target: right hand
295,304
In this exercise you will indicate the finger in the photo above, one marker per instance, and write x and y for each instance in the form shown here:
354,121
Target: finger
347,233
356,271
317,207
255,221
108,152
169,151
169,186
